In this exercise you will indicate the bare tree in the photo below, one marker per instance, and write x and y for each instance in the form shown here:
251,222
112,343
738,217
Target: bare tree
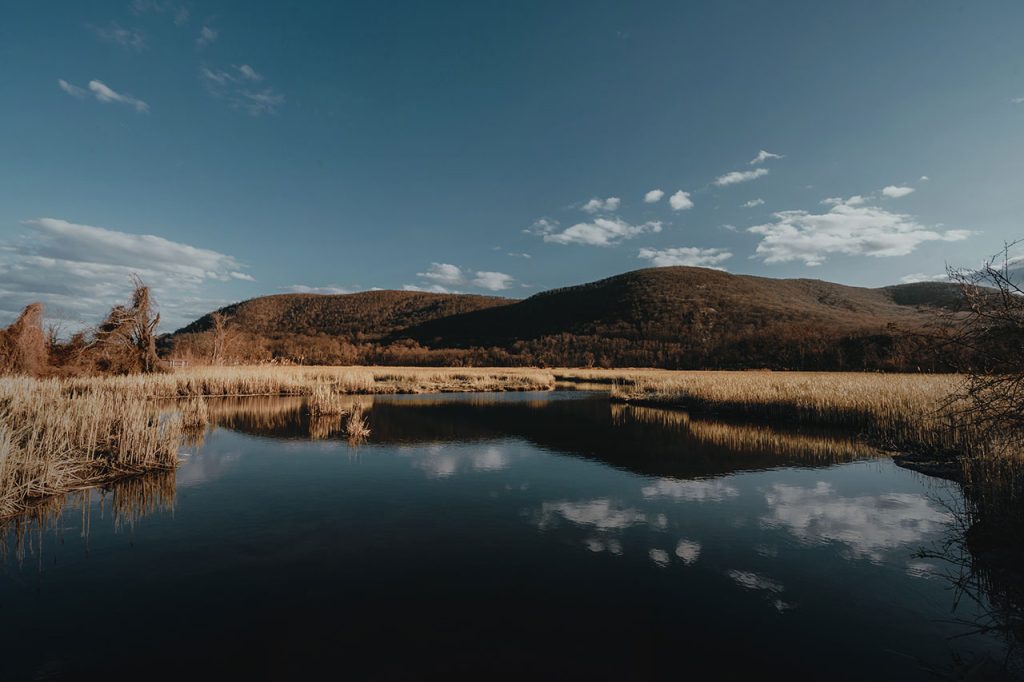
990,328
222,337
125,342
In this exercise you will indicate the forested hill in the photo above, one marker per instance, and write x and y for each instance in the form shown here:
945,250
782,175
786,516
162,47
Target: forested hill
664,317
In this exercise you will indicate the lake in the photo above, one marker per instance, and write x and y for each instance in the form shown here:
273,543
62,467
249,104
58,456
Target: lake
552,534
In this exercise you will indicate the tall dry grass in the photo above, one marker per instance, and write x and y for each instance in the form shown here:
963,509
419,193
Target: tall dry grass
52,442
895,411
244,381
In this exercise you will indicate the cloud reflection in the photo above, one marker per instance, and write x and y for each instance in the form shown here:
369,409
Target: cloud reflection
867,525
690,491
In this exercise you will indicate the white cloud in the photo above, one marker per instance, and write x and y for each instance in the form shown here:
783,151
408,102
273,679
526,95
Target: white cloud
249,73
492,281
1017,100
445,274
688,551
754,581
596,205
654,196
602,514
72,90
848,229
753,203
736,177
441,277
660,557
763,156
303,289
103,93
680,201
686,255
601,232
922,277
867,526
896,191
79,271
125,37
542,226
207,35
690,491
235,86
924,178
517,254
430,289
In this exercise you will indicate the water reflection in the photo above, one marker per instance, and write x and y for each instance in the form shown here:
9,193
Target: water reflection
866,526
123,503
594,517
645,440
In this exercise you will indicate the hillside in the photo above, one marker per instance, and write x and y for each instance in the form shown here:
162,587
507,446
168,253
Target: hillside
663,317
370,314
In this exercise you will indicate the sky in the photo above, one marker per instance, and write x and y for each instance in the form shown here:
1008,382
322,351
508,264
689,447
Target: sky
227,150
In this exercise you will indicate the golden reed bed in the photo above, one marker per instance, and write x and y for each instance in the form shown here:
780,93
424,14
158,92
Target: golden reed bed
61,435
58,435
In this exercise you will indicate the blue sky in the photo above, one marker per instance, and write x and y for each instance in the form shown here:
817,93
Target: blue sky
225,150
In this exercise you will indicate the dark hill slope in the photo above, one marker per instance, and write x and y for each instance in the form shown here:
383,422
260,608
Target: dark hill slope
367,315
675,317
669,304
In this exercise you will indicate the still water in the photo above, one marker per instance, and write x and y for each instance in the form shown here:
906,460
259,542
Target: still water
548,534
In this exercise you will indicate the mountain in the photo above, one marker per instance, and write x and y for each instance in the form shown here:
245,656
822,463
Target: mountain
661,317
370,314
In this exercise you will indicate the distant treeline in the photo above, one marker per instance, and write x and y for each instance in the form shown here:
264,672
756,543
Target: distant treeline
893,352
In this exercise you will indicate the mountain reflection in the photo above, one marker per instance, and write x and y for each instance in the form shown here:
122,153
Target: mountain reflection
644,440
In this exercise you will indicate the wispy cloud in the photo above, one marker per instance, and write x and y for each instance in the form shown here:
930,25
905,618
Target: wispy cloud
686,255
207,36
599,232
753,203
238,87
763,156
492,281
81,270
304,289
596,205
1017,100
680,201
103,93
736,177
897,191
849,228
113,33
445,277
654,196
918,277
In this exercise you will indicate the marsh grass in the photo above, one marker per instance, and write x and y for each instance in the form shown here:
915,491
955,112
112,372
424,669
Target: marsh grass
302,381
52,442
899,412
357,429
750,438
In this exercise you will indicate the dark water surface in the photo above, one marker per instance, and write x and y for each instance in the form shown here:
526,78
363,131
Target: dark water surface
549,534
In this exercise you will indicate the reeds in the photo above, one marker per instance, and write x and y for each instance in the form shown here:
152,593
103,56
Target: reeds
904,412
357,429
302,381
52,442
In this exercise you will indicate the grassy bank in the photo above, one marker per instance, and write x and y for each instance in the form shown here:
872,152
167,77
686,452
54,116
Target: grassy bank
906,412
54,442
61,435
263,380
